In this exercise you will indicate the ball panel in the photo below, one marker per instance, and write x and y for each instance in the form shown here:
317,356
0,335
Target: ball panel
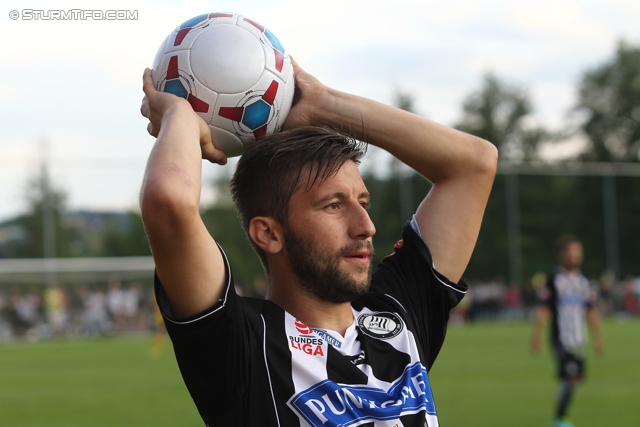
286,101
273,40
250,25
157,61
193,21
227,58
175,76
252,113
256,114
183,37
277,63
226,141
228,112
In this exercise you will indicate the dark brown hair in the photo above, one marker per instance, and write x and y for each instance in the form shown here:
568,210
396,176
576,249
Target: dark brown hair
275,167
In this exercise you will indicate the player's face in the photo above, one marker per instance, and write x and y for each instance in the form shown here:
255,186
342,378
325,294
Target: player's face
572,256
329,237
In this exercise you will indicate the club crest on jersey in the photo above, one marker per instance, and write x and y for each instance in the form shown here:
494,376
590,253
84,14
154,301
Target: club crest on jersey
382,325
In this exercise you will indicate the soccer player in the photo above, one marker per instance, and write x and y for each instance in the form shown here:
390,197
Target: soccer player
332,344
568,299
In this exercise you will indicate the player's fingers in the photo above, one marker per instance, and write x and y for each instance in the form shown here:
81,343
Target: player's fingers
144,107
212,154
147,82
294,63
153,130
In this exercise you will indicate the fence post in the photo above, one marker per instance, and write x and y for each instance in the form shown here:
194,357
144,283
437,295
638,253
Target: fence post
610,207
513,229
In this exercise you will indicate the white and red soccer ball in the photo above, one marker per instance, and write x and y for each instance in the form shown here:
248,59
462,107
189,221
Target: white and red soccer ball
235,74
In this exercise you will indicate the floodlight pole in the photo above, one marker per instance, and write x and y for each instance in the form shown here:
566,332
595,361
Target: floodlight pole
48,220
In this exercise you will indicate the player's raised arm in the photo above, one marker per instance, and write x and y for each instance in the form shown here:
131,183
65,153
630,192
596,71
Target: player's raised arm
188,262
460,166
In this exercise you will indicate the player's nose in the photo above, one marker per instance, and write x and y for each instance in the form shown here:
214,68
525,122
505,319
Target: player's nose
361,224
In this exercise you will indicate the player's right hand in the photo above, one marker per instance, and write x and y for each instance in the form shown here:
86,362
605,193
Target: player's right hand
155,106
306,100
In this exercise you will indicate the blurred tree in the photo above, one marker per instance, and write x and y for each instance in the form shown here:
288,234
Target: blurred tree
609,97
384,208
404,101
402,173
128,239
221,219
42,231
498,112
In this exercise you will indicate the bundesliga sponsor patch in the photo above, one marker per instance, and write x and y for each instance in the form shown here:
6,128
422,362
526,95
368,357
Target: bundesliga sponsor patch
383,325
309,345
339,405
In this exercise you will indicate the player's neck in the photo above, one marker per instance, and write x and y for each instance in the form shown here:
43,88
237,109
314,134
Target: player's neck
571,269
310,310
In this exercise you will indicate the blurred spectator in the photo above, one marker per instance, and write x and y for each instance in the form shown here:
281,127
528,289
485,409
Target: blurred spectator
24,314
76,308
56,302
486,301
630,297
159,331
116,304
512,303
131,306
95,319
5,329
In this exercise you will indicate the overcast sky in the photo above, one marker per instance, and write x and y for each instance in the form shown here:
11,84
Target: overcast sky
74,86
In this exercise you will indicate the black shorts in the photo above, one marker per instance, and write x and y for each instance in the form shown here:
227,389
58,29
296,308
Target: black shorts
570,366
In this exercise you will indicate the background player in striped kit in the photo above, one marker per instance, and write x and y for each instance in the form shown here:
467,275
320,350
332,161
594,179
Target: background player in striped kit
330,346
570,302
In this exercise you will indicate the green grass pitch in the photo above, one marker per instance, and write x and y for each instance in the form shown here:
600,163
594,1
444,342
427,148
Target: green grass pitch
484,376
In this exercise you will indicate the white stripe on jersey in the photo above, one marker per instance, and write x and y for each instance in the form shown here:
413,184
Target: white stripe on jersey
572,295
308,356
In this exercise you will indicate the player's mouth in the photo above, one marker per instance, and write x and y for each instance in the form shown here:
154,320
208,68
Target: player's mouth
361,257
360,252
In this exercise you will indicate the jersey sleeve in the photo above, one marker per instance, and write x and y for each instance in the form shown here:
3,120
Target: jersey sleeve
427,296
211,350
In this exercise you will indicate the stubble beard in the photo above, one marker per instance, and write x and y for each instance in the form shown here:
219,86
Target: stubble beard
319,271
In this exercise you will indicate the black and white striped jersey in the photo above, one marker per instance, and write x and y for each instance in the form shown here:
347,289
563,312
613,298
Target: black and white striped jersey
568,296
247,362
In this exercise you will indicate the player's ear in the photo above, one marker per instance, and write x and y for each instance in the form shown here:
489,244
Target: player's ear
266,233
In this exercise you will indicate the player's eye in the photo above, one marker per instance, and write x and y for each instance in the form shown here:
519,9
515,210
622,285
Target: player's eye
333,206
